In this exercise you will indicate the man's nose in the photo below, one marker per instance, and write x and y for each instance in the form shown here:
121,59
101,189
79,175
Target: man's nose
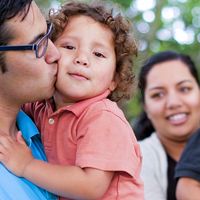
52,54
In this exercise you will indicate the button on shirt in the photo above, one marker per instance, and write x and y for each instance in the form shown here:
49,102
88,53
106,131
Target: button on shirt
13,187
51,121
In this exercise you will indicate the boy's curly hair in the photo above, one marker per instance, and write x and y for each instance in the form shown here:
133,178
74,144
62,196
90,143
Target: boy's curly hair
125,45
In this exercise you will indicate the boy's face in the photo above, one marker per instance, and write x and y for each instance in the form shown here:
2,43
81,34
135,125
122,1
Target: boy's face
87,64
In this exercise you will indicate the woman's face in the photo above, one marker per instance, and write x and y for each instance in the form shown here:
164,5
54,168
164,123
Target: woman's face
172,100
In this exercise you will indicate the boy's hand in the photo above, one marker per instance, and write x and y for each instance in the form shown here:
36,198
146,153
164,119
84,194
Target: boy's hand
14,153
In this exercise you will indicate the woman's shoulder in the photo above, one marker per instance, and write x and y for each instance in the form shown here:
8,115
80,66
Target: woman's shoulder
152,141
151,147
154,157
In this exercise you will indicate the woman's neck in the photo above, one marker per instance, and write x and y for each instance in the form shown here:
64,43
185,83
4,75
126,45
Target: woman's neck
173,148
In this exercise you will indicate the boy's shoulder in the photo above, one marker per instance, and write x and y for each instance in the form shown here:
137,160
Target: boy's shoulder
105,105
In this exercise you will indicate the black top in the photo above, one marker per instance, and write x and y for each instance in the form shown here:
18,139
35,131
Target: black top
171,188
189,164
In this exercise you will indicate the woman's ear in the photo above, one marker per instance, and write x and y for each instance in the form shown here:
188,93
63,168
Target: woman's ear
146,110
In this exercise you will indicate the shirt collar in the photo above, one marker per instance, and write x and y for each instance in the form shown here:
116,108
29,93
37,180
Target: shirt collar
26,126
79,107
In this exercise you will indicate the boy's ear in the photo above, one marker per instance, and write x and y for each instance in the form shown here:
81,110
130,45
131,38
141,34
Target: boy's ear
114,83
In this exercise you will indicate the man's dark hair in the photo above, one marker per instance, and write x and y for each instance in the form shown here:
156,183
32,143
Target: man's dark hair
8,10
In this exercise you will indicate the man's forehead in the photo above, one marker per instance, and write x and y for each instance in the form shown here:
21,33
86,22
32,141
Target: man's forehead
33,23
31,16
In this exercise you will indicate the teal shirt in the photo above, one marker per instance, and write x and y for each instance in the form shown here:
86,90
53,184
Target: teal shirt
13,187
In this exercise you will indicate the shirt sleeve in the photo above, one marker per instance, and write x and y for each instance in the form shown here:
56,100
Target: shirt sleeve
189,164
107,142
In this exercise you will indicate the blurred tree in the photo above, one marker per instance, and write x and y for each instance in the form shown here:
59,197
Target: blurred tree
158,25
124,3
164,25
43,3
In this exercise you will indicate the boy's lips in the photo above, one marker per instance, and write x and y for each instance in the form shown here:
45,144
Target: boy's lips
78,76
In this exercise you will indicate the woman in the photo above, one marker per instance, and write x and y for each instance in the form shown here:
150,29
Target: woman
170,94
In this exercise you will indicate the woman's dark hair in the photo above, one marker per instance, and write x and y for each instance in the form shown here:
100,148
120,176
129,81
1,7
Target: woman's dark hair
143,126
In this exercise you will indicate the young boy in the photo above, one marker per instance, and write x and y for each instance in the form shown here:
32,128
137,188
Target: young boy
90,146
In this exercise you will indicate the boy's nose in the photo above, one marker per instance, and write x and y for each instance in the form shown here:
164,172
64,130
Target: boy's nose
81,58
81,61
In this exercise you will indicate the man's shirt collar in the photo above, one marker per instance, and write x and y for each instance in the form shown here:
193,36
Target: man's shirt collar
26,126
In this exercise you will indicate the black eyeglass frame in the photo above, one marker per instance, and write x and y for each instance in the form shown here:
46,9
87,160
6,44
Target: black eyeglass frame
33,47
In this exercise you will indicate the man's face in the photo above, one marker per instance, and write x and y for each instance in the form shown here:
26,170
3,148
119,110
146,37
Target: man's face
28,78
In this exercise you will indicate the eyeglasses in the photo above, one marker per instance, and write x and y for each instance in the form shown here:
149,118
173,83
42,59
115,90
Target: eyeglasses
39,47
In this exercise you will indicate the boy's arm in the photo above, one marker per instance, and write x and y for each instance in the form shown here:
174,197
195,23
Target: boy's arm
188,189
67,181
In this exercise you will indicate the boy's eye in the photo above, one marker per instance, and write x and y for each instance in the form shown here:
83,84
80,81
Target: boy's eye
70,47
100,55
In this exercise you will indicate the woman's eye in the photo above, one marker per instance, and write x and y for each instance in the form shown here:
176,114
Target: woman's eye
100,55
157,95
185,89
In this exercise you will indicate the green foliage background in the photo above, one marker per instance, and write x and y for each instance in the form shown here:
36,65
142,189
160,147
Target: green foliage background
148,41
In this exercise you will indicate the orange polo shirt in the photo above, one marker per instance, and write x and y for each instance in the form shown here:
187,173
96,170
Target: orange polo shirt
92,133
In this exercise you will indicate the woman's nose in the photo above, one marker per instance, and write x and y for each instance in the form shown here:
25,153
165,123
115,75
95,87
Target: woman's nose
173,101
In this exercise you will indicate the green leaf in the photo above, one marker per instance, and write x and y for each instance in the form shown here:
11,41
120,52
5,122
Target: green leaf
124,3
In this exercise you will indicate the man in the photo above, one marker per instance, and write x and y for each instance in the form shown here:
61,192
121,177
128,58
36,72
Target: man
28,67
188,170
